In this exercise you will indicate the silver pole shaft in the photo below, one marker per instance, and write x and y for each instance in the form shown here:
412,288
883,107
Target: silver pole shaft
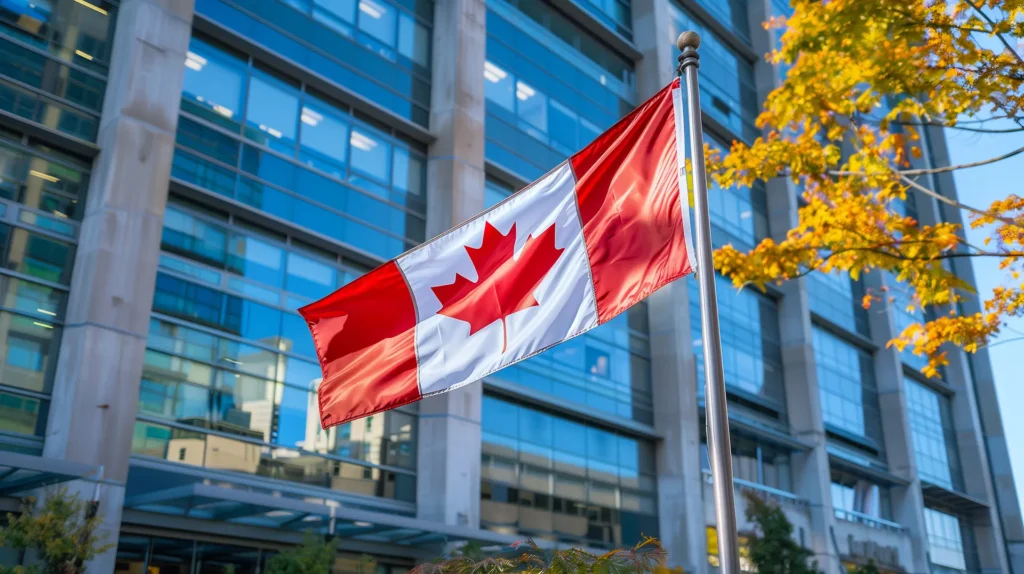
716,411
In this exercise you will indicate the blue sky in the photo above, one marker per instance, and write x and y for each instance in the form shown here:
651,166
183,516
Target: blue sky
978,187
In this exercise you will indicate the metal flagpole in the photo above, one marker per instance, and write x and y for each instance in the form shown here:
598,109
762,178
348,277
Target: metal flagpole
716,412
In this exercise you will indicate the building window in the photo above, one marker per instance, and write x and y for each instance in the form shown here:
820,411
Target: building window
738,215
226,351
754,463
751,349
849,398
839,299
42,193
727,89
615,14
297,156
495,192
746,564
607,368
552,94
906,313
730,13
379,49
949,542
546,475
61,48
21,414
934,437
855,499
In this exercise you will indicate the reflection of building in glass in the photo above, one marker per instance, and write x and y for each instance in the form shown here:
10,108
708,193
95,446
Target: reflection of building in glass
295,160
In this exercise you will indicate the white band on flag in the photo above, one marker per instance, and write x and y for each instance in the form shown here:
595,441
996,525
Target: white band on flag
684,190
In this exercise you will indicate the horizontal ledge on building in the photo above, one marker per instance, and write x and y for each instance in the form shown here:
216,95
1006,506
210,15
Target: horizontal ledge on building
507,176
300,72
749,427
854,517
843,333
878,475
956,500
49,135
16,439
617,41
24,472
712,23
238,507
768,490
145,470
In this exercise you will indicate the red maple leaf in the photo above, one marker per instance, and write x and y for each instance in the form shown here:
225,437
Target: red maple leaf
504,285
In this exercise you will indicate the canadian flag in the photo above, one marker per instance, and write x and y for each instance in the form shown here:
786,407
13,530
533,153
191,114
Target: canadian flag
596,235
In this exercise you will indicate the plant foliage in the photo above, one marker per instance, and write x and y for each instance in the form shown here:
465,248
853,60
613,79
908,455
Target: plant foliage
61,533
647,556
772,549
314,556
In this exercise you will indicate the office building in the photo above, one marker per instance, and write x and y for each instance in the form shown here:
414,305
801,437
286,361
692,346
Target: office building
179,176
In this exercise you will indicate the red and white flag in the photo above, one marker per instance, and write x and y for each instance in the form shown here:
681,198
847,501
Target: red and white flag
591,238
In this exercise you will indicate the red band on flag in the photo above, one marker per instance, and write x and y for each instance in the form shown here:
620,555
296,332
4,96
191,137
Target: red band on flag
628,192
365,338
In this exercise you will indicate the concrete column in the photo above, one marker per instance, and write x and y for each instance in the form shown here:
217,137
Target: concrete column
676,417
673,366
810,469
96,388
907,503
448,472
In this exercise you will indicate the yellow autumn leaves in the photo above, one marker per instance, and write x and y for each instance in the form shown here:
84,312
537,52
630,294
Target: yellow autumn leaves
868,82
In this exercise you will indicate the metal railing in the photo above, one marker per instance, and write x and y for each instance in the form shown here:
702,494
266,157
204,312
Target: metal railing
868,520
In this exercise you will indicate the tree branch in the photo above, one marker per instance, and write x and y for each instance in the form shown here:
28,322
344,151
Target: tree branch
957,204
993,25
880,251
949,168
953,127
934,170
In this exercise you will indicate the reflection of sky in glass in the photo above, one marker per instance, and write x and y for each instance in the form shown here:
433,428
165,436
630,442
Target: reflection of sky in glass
931,449
839,381
751,357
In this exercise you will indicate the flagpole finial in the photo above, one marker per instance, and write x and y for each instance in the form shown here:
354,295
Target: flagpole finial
688,43
688,39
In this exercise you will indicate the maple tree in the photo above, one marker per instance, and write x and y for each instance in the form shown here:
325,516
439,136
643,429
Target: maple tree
504,284
866,80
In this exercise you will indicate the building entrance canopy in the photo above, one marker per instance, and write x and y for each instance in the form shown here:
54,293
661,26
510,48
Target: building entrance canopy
189,495
22,473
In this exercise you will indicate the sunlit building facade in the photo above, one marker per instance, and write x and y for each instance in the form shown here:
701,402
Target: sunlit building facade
178,177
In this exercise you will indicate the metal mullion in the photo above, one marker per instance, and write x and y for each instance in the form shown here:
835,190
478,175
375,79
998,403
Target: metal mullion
52,320
292,160
16,222
23,146
60,101
78,67
209,331
223,288
26,393
294,194
22,276
334,84
287,244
